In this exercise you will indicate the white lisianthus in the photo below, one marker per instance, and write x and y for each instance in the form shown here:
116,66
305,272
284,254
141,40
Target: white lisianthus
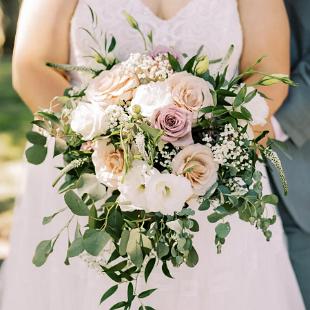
152,96
108,162
258,108
167,193
134,185
88,120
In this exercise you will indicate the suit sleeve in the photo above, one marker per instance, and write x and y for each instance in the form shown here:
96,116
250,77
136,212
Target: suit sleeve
294,115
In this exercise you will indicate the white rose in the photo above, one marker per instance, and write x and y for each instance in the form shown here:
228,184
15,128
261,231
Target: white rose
167,193
152,96
88,120
133,186
108,162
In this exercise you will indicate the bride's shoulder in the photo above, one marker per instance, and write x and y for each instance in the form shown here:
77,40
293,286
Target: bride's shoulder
50,7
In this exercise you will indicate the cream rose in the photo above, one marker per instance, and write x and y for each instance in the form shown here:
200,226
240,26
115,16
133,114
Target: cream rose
112,86
108,162
88,120
196,163
189,91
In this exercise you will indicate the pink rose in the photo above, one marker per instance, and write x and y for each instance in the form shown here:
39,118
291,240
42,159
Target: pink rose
176,124
189,91
112,86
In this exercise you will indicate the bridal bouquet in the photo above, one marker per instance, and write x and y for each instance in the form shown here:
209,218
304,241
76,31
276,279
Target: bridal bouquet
147,143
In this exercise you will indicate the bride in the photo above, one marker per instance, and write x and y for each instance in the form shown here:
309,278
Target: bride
250,273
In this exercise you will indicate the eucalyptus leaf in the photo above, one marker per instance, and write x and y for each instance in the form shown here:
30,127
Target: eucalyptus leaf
95,240
162,249
36,138
76,248
192,258
124,242
222,230
205,205
43,250
134,249
76,204
272,199
36,154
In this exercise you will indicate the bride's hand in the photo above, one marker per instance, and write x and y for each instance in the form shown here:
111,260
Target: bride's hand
259,129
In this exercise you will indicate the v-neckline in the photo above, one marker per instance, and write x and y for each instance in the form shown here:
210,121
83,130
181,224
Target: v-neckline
163,20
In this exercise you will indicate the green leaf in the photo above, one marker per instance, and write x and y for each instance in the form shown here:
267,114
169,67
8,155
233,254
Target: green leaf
149,267
49,116
134,249
166,270
59,147
76,248
162,249
250,96
147,293
186,212
124,242
272,199
240,97
95,240
192,258
119,305
205,205
92,217
36,138
154,133
76,204
214,217
108,293
43,250
48,219
130,293
115,223
36,154
175,65
112,45
195,227
222,230
189,65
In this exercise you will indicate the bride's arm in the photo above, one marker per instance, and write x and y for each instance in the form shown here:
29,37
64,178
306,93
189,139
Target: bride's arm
42,35
266,32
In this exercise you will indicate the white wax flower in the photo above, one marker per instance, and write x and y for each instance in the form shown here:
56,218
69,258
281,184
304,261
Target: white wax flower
88,120
134,183
167,193
152,96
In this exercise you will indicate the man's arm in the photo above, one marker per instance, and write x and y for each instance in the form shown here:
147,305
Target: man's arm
294,115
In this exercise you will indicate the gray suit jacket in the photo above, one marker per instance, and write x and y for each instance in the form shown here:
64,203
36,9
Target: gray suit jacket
294,117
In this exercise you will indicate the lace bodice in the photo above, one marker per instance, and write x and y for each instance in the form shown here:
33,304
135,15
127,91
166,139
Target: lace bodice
214,24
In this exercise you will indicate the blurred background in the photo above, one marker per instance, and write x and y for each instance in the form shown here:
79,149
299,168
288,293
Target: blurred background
15,121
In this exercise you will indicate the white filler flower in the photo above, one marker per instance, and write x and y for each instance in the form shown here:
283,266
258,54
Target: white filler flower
167,193
151,97
88,120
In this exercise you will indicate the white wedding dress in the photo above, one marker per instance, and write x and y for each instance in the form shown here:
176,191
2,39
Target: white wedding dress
250,274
